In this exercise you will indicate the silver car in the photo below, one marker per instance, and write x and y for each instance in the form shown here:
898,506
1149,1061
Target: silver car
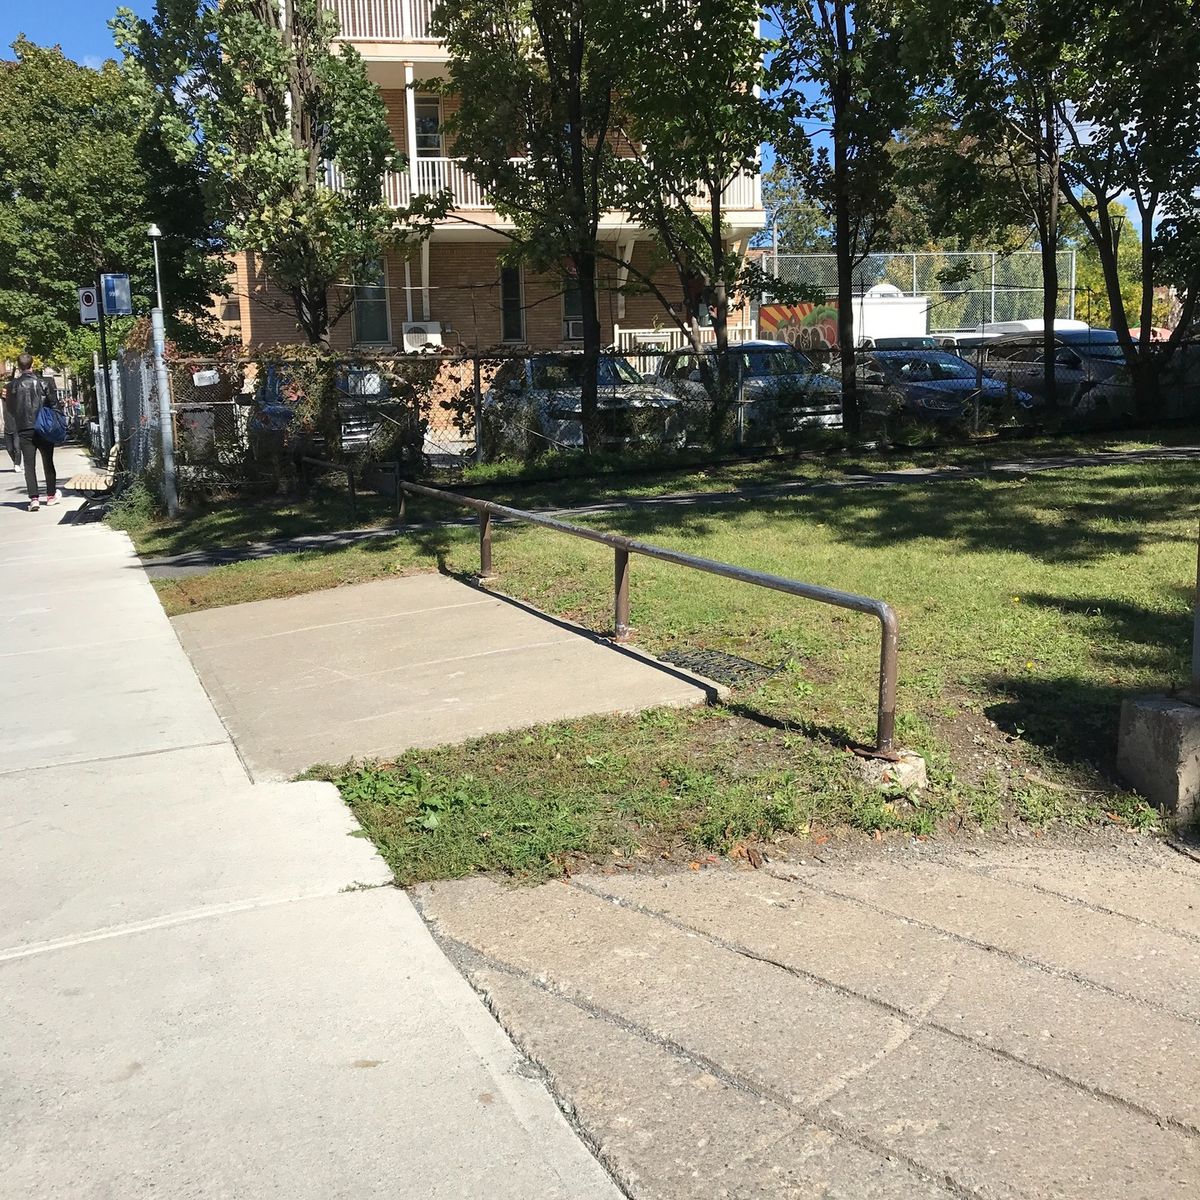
1083,358
535,404
779,390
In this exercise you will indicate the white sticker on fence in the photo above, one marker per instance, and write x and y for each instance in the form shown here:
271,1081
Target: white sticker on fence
206,378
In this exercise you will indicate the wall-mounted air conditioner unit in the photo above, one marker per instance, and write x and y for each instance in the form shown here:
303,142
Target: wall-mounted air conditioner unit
573,331
421,335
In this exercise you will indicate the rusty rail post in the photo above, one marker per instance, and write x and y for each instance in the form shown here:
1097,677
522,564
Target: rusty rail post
885,720
485,545
623,547
1195,688
621,594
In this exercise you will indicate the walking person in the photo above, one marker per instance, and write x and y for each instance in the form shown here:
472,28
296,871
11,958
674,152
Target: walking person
24,400
12,442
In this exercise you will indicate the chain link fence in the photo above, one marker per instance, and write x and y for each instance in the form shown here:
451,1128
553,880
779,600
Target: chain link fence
261,424
965,289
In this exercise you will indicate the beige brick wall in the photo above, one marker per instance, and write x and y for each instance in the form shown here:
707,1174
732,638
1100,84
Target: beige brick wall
464,294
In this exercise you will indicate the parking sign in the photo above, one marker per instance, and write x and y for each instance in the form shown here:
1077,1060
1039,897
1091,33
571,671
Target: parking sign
89,306
118,301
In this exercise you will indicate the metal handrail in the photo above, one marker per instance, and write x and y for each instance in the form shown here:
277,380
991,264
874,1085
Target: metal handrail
623,547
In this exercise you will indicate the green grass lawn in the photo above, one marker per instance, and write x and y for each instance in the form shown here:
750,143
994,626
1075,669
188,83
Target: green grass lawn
1028,607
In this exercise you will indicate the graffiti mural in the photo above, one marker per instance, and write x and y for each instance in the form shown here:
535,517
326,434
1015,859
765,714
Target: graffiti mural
806,326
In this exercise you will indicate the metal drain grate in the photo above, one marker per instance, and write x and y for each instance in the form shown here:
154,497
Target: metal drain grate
721,668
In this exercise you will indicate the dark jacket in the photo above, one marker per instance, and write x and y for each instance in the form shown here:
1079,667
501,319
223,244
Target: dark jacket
24,396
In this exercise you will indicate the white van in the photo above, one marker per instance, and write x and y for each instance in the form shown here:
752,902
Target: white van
991,329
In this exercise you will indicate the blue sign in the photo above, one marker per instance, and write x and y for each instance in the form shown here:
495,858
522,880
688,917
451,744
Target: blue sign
118,301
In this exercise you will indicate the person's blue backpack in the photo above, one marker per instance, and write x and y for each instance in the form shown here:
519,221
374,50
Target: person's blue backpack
51,425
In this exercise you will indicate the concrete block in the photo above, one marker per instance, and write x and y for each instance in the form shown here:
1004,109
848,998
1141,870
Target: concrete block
1158,752
906,771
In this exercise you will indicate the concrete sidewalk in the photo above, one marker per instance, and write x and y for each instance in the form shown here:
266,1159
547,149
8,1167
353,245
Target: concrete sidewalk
937,1021
192,1004
371,670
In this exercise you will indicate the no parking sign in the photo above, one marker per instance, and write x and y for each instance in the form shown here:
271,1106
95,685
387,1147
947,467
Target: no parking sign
89,306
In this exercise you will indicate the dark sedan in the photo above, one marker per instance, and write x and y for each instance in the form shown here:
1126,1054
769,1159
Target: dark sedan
929,385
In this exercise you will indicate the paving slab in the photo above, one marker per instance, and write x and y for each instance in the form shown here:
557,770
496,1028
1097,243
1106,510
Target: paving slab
311,1049
1158,890
377,668
669,1129
1105,1043
1159,967
952,1056
192,1002
206,841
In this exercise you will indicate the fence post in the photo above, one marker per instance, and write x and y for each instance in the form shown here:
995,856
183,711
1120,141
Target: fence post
621,595
478,409
116,401
102,405
399,494
166,430
485,547
353,494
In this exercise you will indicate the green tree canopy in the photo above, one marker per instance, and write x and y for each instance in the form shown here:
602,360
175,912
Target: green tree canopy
256,98
537,84
81,180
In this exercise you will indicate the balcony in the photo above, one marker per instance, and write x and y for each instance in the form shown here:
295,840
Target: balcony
384,20
434,175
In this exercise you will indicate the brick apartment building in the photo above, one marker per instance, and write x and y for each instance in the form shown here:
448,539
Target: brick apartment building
453,289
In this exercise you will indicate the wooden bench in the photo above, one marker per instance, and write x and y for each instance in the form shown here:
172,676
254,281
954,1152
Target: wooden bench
97,483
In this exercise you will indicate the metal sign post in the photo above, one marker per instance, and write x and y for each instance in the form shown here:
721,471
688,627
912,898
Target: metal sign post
108,397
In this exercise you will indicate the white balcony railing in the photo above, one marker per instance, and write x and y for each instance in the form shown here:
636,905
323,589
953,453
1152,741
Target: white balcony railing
435,175
384,20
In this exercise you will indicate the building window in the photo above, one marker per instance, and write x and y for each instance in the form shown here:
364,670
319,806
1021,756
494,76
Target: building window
572,311
371,324
512,312
429,126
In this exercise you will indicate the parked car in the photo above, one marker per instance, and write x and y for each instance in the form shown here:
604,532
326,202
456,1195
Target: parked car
1082,359
781,390
1179,388
536,404
926,342
929,385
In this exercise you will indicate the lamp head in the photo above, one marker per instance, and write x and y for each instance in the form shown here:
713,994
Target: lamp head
154,231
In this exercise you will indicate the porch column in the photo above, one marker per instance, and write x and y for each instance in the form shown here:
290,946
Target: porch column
425,280
410,129
625,254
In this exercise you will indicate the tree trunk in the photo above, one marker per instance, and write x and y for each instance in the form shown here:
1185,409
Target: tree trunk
585,265
312,314
1048,233
843,250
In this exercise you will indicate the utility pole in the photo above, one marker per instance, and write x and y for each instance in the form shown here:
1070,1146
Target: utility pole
159,328
108,399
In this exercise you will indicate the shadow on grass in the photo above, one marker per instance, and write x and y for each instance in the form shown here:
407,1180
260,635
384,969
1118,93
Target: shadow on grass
1130,636
1056,519
1117,511
1073,721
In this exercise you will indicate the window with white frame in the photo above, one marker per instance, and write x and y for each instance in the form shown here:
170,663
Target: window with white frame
428,111
371,324
512,311
572,299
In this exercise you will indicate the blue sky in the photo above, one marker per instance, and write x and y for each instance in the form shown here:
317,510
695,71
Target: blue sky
79,26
